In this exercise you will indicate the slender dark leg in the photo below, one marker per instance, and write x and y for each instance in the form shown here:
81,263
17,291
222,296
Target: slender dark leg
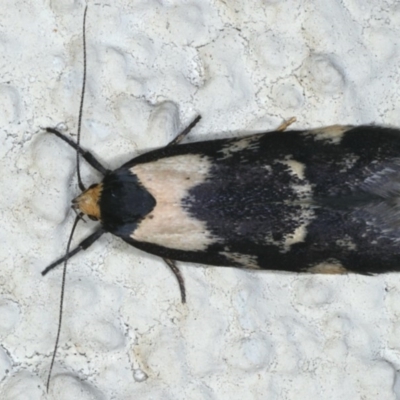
82,246
179,277
181,136
89,157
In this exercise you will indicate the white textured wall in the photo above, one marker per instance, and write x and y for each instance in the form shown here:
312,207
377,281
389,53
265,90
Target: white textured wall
244,65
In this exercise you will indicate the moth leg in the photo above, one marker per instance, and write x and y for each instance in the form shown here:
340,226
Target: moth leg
82,246
182,135
286,124
89,157
179,277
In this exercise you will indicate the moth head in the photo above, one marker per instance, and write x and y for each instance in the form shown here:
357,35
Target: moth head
88,202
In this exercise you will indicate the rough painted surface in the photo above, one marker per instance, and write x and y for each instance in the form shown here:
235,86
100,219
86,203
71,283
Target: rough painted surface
245,66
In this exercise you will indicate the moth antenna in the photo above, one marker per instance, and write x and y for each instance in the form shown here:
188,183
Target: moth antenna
77,218
80,215
78,140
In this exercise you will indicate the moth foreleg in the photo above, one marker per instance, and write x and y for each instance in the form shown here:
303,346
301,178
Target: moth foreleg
82,246
182,135
179,277
89,157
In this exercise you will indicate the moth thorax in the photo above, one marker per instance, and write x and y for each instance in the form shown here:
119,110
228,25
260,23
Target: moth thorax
88,201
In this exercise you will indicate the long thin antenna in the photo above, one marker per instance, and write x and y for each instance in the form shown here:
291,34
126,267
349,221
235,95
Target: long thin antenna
78,217
78,139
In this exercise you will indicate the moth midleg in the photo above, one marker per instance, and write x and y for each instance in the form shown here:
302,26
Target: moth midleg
87,155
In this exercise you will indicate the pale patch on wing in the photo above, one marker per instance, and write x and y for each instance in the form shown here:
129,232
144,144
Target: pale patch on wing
303,214
169,180
245,260
297,236
346,243
333,134
246,143
296,168
303,217
348,162
328,267
303,191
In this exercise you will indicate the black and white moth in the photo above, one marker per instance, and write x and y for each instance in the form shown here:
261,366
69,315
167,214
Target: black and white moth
324,200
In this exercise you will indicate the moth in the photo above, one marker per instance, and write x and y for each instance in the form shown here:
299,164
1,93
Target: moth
324,200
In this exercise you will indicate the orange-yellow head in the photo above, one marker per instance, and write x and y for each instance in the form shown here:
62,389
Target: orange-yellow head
88,201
